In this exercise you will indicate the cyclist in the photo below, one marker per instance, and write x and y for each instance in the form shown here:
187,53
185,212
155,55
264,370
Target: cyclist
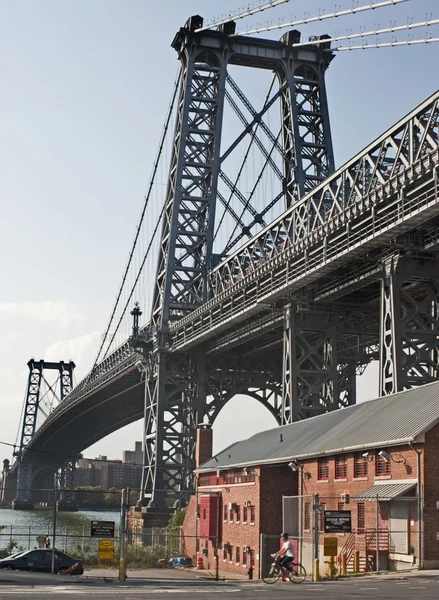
286,553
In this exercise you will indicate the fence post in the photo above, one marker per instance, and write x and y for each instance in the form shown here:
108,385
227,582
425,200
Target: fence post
377,556
66,538
83,539
28,542
122,574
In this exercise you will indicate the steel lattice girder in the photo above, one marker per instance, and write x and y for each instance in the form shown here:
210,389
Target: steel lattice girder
329,227
409,344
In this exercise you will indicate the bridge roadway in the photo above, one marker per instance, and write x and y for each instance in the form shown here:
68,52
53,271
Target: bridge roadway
328,247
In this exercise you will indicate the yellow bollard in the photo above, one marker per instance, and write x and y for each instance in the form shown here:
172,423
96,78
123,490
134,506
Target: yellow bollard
122,574
316,569
356,561
343,564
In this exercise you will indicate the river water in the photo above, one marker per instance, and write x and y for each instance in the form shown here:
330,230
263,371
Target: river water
72,528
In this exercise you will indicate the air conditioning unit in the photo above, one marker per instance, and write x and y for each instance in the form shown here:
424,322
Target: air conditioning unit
344,497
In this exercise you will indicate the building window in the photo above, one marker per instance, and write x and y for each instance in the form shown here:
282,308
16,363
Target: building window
340,506
226,513
252,558
307,517
238,550
360,465
322,516
244,558
323,468
382,467
230,548
252,514
224,552
360,517
231,511
244,515
341,466
238,516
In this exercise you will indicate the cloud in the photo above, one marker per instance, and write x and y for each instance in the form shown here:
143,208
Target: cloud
82,350
59,311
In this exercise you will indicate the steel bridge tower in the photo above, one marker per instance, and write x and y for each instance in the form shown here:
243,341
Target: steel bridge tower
178,384
28,469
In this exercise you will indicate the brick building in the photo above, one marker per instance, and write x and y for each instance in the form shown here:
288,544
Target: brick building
379,460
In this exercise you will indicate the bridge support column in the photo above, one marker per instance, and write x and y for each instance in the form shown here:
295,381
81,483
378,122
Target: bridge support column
67,503
309,374
174,404
23,500
409,328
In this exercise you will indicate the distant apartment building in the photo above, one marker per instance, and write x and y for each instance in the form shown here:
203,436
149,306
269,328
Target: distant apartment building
105,473
133,457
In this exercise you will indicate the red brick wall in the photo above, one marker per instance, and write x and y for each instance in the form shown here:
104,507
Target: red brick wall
430,462
275,482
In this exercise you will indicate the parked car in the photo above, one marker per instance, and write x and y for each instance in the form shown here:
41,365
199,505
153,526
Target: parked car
41,560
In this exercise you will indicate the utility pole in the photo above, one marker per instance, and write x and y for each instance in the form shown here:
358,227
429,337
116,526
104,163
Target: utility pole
55,485
123,506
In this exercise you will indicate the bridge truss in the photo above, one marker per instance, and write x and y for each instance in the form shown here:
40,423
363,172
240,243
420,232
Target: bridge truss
285,295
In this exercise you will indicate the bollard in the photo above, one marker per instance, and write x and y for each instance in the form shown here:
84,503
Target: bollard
122,572
250,573
343,564
316,569
356,561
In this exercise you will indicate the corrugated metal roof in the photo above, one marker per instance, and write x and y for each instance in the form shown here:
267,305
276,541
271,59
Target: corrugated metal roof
391,420
386,491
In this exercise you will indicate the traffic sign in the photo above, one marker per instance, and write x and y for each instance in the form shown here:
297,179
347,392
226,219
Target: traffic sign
104,529
330,547
106,549
337,521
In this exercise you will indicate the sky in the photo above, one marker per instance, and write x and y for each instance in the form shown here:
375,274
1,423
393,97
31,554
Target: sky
85,87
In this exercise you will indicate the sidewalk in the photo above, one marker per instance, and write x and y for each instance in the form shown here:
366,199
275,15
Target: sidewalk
430,573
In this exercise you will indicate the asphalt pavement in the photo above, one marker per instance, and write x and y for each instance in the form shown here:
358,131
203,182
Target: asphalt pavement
193,585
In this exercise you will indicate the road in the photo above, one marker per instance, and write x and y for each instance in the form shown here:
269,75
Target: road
361,589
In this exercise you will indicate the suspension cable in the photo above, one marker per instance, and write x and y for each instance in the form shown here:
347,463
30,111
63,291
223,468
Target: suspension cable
142,216
361,34
322,17
247,13
386,44
139,273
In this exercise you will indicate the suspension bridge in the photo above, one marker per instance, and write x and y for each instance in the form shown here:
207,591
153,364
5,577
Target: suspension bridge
258,267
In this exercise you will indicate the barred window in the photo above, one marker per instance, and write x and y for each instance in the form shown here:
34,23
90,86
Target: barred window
322,516
244,515
244,558
226,512
238,550
252,514
252,558
323,468
230,548
231,511
341,467
360,517
307,516
360,465
340,506
224,552
382,466
238,515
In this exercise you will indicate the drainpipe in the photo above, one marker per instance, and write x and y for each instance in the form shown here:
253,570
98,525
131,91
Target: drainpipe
420,507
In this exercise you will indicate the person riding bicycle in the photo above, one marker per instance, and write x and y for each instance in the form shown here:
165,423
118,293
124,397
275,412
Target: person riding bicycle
286,553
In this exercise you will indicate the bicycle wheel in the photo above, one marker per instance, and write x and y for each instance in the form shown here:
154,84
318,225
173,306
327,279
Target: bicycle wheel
273,574
297,573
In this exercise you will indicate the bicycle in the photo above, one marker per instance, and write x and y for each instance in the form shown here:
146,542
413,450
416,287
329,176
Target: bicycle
295,572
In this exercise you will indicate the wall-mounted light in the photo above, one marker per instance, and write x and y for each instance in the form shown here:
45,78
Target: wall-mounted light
388,457
294,465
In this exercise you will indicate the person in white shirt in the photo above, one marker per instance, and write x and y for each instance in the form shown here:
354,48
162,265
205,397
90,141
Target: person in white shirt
286,553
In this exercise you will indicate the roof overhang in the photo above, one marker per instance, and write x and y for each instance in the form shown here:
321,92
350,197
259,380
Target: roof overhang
385,491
